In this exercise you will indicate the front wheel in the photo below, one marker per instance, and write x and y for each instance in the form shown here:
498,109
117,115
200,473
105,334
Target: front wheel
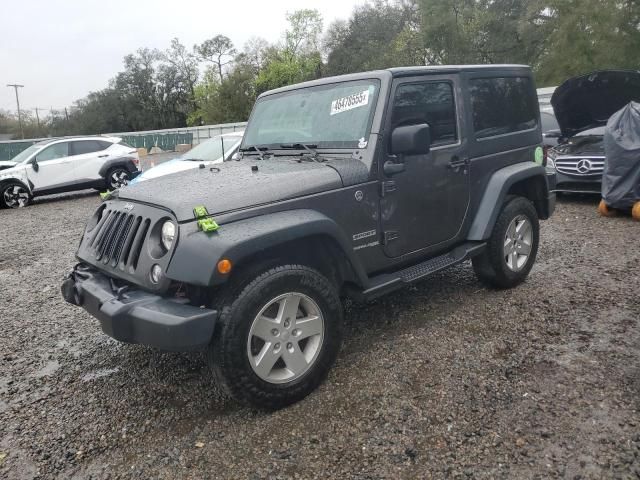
277,337
14,195
512,248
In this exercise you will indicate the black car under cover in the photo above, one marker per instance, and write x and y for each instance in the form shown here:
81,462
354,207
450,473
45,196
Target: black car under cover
621,176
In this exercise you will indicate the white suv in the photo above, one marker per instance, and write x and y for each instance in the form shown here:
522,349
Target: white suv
67,164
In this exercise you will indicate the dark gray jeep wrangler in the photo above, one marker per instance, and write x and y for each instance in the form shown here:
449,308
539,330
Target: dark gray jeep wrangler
350,186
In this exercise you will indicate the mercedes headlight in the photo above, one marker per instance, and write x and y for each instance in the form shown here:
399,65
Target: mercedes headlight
168,234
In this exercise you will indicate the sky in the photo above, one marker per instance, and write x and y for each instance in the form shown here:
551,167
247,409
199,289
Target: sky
61,50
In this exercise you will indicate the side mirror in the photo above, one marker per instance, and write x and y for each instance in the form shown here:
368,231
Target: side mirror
411,140
34,164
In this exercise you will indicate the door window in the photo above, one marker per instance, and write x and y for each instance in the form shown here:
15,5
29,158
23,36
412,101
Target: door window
87,146
503,105
53,152
428,102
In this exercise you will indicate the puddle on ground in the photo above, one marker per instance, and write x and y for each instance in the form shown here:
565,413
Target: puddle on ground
49,369
103,372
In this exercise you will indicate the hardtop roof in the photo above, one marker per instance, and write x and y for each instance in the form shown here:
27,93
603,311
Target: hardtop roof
403,72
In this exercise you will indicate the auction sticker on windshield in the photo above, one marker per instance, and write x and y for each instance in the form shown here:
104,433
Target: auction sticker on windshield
350,102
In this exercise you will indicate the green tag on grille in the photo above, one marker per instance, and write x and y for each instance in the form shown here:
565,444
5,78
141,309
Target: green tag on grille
206,223
200,211
105,195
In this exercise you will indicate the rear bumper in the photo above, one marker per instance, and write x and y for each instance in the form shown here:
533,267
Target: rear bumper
135,316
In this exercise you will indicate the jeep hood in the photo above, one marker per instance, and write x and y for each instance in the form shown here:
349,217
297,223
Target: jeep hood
589,100
242,184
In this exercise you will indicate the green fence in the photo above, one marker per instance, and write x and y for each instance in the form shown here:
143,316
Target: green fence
165,141
8,150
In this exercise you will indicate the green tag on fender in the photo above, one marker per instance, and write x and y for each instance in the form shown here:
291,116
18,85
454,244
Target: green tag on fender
205,223
538,156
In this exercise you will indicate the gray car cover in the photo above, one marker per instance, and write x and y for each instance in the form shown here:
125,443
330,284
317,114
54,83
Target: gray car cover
621,176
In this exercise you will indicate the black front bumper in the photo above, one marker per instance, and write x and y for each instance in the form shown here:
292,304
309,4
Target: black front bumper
135,316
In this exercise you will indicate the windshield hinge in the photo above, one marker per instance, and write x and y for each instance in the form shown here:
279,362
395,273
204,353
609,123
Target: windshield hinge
390,236
387,187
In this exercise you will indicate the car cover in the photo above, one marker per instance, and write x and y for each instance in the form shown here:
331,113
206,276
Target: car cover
621,176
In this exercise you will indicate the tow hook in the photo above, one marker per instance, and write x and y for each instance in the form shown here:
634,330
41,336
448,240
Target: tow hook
70,290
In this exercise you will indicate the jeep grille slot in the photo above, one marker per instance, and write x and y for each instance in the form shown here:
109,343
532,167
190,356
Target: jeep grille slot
137,244
119,238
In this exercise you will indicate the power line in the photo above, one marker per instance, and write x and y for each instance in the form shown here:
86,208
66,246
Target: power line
15,87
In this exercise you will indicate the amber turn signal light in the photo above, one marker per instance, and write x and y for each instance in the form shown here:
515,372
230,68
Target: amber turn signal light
224,266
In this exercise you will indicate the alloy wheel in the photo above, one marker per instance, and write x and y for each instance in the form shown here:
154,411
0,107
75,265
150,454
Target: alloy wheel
16,196
118,179
285,338
517,243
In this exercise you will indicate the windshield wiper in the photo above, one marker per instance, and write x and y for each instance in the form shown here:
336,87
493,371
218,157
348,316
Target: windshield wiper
257,149
309,147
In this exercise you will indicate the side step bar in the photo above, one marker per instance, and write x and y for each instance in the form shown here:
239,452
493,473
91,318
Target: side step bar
389,282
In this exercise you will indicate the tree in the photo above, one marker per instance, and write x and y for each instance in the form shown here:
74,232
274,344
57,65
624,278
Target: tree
588,35
377,35
303,35
218,50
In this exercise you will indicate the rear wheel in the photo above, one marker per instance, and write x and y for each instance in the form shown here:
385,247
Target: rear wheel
512,248
14,195
277,337
117,177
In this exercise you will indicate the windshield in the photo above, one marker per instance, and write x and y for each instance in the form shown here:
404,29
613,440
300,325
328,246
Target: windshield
213,148
330,116
25,154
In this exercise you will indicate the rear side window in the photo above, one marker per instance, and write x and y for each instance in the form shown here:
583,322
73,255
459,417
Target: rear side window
502,105
87,146
428,102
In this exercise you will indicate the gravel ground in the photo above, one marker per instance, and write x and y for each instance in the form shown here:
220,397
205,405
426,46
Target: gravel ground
446,379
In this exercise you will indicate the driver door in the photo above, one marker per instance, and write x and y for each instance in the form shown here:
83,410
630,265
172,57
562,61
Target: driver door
54,168
425,204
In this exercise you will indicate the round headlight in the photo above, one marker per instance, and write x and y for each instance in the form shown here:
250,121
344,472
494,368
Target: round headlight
168,234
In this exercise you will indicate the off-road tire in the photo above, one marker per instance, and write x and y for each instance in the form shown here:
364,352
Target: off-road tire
491,267
11,184
239,304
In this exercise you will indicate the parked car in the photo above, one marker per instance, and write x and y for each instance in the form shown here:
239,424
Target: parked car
544,98
67,164
582,106
349,186
214,150
550,130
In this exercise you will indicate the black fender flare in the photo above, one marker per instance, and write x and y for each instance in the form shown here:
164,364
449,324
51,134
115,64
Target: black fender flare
495,193
197,253
125,162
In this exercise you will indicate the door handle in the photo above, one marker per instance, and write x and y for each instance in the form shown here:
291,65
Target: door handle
457,162
102,156
391,168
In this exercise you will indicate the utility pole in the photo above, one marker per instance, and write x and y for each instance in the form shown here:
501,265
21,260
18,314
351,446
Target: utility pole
38,119
15,87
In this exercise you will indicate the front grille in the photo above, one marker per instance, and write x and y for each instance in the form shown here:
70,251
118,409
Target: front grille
118,238
580,166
